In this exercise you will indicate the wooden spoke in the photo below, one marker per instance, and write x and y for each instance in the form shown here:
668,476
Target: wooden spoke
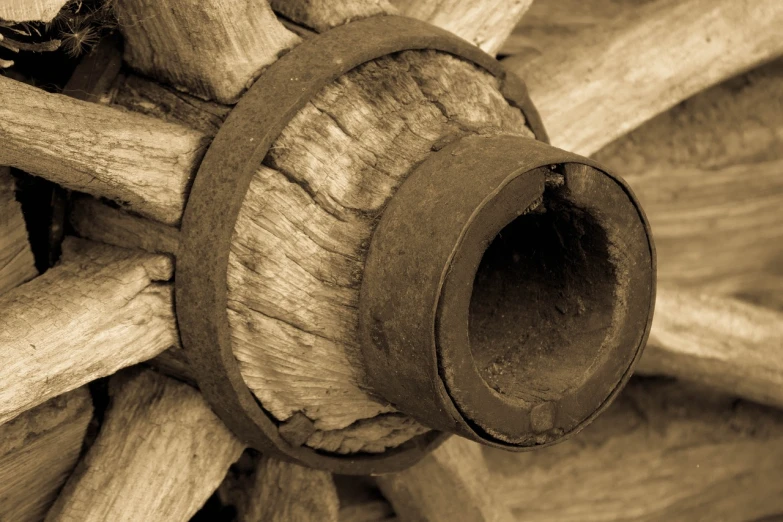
38,450
663,53
486,24
708,175
278,491
16,258
452,483
139,162
663,451
30,10
95,313
211,49
160,454
720,342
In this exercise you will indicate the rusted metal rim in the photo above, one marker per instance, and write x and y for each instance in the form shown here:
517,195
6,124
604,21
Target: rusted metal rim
218,193
418,282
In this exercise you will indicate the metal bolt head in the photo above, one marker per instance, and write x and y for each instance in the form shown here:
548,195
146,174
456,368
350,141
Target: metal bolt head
542,417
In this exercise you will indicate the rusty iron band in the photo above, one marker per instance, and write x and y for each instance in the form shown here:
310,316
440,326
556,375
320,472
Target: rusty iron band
219,190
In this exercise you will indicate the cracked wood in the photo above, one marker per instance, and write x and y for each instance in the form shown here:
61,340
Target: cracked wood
97,312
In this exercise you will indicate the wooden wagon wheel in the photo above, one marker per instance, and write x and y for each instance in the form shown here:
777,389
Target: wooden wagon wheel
161,451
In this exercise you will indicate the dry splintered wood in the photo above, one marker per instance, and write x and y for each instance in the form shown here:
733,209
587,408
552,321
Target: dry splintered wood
30,10
613,81
299,243
663,451
97,312
708,174
160,454
142,163
278,491
38,450
212,49
487,23
720,342
451,483
16,258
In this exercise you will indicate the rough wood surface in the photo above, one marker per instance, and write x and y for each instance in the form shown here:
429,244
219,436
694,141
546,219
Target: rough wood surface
662,452
452,483
160,454
30,10
322,15
95,313
38,450
549,21
141,163
93,219
16,258
613,83
210,48
146,96
708,174
284,492
299,243
486,24
720,342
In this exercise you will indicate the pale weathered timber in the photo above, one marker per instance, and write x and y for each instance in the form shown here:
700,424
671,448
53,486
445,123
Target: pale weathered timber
38,450
612,84
30,10
97,312
139,162
146,96
452,483
549,21
210,48
720,342
284,492
93,219
708,174
486,24
160,454
322,15
16,258
663,451
298,248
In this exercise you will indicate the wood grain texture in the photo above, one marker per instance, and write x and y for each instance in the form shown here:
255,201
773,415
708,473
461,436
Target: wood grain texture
299,243
38,450
549,21
95,313
708,174
322,15
16,258
139,162
160,454
662,452
140,94
720,342
614,83
210,48
30,10
452,483
486,24
98,221
284,492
